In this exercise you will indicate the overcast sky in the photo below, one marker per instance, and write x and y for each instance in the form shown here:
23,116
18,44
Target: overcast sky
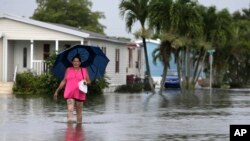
114,23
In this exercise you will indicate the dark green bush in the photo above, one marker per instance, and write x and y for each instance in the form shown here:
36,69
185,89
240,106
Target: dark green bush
98,85
24,83
27,83
46,84
130,88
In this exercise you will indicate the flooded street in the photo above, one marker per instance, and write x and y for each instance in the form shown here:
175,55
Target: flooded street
202,116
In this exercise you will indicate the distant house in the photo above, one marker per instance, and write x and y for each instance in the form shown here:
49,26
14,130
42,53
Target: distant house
135,67
26,43
156,68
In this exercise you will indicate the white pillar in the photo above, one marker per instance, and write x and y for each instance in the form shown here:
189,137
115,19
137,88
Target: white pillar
57,46
31,53
82,41
5,58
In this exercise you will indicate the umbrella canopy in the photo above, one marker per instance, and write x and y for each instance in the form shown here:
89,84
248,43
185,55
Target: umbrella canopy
91,57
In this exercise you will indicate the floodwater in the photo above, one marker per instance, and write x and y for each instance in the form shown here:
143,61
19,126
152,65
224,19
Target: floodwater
203,116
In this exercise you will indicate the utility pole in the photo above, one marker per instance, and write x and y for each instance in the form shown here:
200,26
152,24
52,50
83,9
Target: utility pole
211,51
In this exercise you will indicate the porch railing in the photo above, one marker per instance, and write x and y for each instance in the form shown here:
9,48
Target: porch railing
39,67
15,72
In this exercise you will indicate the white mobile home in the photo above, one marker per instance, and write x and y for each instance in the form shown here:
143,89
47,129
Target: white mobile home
26,43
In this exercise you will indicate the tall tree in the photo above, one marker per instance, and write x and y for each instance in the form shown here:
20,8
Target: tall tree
159,21
218,29
182,21
76,13
238,55
133,11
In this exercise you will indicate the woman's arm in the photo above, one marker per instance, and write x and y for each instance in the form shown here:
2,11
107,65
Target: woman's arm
61,85
87,77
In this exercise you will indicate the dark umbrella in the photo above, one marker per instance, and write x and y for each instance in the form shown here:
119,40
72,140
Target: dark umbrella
91,57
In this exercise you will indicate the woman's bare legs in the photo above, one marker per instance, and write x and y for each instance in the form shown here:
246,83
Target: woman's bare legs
70,107
79,106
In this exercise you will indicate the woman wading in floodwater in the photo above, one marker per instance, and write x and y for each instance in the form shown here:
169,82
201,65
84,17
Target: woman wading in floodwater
72,94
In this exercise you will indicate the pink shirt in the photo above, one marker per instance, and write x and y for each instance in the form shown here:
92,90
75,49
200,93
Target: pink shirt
72,77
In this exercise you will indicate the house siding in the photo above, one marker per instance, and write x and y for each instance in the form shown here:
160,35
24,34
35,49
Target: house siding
115,78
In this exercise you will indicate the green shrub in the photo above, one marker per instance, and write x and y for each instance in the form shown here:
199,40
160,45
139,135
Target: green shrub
24,83
98,85
130,88
46,84
27,83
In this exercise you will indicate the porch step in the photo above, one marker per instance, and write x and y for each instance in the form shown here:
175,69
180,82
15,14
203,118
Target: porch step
6,87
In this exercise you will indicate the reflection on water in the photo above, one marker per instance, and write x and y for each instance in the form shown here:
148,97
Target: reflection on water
74,133
114,117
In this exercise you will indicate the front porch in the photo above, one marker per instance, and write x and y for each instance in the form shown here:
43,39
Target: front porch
30,55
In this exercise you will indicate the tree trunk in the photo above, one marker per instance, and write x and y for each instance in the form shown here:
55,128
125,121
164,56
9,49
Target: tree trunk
148,72
202,63
164,75
188,68
185,67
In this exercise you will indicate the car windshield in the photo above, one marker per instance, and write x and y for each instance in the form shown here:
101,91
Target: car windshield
172,73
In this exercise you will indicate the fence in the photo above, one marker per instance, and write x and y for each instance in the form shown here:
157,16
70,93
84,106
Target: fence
39,67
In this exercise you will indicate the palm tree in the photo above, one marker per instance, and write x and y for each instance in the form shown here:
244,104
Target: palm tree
159,18
218,30
180,19
187,22
169,45
133,11
163,53
238,53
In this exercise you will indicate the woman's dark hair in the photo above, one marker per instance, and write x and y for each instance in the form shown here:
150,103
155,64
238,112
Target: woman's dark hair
76,56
